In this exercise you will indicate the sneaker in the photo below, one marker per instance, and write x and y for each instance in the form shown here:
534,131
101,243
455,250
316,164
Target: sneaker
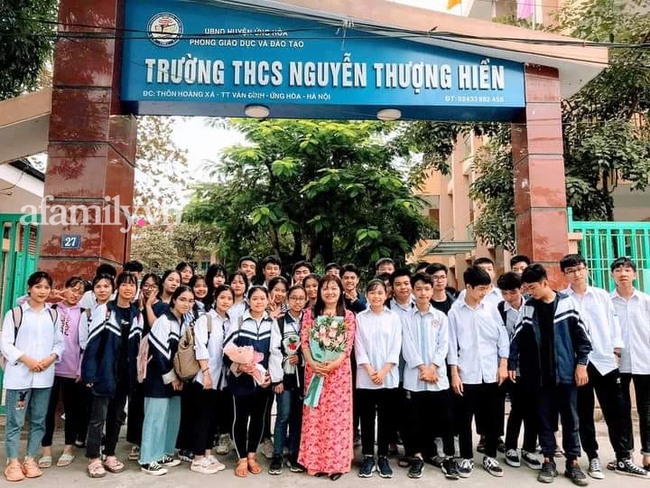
501,446
276,465
611,466
492,466
481,445
435,461
154,469
267,448
465,468
216,463
595,470
368,467
14,472
547,473
385,471
531,460
559,453
204,466
294,466
416,468
185,456
170,462
450,469
626,466
134,455
224,446
575,474
31,469
512,458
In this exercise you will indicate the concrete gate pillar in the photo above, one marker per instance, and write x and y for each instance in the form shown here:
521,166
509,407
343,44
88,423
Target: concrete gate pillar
91,153
540,193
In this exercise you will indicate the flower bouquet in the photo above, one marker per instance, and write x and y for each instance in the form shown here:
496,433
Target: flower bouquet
326,343
291,346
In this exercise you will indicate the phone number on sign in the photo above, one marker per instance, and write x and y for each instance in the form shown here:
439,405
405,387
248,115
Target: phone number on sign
473,99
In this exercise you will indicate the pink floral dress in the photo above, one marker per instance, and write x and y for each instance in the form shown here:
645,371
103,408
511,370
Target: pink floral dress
326,444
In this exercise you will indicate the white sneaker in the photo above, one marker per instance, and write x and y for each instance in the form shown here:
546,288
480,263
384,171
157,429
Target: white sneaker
595,470
134,455
215,462
224,446
203,466
267,448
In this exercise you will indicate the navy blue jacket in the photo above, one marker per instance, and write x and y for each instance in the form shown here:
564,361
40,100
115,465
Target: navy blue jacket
99,365
572,345
163,345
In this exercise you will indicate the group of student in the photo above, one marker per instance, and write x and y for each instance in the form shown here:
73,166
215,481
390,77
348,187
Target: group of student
420,364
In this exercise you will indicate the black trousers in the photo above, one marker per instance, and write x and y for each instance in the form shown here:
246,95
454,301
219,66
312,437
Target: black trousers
203,421
552,401
226,412
248,424
135,417
75,406
480,401
642,392
184,438
522,410
376,404
429,416
610,396
266,434
109,412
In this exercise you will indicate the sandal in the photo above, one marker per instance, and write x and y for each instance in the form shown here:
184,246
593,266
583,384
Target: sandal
335,476
253,466
114,465
65,460
241,469
96,470
45,462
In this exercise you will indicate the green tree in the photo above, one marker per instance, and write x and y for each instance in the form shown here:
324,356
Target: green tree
27,31
154,247
320,190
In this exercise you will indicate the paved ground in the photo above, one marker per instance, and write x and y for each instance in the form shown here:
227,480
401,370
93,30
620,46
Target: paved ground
75,475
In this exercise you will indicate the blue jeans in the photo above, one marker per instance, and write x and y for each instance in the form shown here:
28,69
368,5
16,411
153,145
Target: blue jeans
289,415
162,418
32,402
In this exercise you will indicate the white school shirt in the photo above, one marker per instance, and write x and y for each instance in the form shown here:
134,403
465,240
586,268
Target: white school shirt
377,341
634,319
597,312
425,340
513,317
493,297
211,349
37,337
236,311
477,341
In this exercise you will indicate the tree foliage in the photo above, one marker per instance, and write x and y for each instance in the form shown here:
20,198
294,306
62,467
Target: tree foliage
320,190
162,167
26,42
605,126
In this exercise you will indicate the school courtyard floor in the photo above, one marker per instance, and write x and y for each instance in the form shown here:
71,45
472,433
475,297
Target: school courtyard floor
75,474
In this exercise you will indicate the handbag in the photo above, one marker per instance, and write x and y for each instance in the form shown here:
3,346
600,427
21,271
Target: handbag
186,365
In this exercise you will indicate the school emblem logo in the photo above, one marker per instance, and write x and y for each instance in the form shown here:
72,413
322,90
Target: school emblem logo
165,29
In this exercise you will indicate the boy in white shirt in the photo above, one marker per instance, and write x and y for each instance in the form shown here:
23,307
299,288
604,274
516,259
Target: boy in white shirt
597,311
478,354
633,310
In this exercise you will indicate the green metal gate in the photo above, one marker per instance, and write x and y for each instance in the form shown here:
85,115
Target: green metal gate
603,242
20,247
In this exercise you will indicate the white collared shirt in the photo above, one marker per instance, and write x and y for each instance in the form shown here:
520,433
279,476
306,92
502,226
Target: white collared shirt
597,312
210,347
425,341
477,341
492,298
37,338
634,319
377,341
513,317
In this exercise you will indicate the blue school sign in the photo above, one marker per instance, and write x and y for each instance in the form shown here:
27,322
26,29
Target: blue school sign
203,58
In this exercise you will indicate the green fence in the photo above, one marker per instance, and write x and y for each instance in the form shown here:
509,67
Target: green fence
603,242
20,247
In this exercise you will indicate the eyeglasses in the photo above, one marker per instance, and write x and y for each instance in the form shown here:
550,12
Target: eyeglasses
574,271
439,278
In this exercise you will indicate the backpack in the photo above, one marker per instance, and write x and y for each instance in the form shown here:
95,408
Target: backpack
142,359
186,365
17,317
501,307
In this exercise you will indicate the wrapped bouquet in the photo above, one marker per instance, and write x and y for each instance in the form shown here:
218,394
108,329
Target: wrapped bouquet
326,343
291,346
